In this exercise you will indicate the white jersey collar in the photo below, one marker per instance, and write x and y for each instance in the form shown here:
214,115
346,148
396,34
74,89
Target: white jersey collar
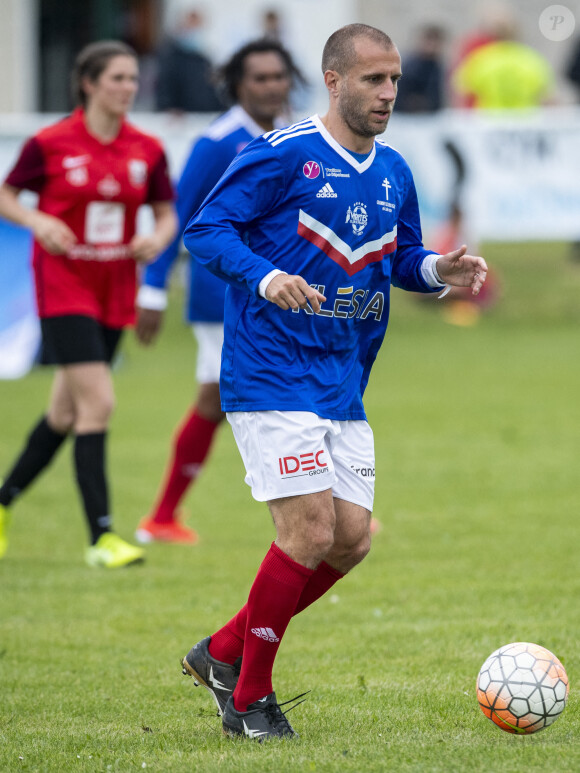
343,152
250,125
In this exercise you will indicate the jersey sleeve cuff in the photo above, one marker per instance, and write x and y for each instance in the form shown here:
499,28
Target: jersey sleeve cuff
429,271
266,281
154,298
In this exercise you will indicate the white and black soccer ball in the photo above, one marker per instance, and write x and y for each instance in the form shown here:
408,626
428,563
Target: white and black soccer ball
522,687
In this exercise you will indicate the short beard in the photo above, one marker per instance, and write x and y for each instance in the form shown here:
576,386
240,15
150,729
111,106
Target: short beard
350,112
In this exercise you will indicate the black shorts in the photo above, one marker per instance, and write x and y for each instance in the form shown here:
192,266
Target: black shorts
74,339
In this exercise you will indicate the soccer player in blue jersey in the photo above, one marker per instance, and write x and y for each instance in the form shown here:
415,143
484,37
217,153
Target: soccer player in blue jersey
309,226
257,79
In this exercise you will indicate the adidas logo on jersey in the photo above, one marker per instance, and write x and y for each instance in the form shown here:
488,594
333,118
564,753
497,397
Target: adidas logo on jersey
265,633
326,192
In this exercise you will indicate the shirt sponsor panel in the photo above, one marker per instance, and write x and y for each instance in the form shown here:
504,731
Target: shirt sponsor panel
104,222
311,170
334,172
101,252
349,303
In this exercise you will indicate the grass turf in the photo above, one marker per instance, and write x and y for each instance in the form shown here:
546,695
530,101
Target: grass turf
476,433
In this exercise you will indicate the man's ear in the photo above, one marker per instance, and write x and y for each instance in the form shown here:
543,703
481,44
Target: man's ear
332,81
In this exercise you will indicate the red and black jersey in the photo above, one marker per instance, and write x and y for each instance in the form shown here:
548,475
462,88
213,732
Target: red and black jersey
96,188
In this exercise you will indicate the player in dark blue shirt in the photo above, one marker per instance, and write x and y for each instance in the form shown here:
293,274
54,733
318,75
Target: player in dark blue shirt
257,79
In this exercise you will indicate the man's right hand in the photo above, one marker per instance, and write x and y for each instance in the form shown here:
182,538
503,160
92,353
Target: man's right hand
289,291
148,325
52,233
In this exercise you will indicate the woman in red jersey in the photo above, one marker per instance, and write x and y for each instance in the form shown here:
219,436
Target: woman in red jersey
92,171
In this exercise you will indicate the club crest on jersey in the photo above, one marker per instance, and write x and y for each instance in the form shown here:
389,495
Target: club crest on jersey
311,170
357,217
137,172
108,187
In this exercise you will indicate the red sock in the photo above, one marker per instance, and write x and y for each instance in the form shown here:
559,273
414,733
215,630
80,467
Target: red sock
227,644
191,446
271,604
322,580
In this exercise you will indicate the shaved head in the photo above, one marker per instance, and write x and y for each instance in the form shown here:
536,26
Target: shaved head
339,52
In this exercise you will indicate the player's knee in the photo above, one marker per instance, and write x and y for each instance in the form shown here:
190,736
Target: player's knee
106,407
359,551
96,412
321,542
318,537
61,421
352,552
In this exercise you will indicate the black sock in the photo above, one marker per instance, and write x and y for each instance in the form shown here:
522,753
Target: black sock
42,444
89,457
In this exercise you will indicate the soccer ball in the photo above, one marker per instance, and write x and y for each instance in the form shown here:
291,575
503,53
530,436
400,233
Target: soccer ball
522,687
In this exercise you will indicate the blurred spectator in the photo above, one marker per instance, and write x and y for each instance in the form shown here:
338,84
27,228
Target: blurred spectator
459,307
274,30
272,27
493,20
504,73
421,89
184,77
462,308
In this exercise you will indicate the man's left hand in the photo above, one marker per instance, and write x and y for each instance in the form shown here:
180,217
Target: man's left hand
461,270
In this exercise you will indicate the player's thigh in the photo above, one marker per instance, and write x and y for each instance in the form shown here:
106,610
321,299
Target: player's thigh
91,387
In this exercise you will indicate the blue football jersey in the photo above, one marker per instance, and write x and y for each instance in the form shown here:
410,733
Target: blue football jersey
297,201
210,156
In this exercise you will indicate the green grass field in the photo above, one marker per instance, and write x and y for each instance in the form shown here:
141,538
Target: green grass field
476,433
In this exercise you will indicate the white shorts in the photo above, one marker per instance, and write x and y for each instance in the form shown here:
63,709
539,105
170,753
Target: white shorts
210,339
287,453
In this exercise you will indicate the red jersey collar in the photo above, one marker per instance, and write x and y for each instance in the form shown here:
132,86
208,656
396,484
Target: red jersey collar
78,116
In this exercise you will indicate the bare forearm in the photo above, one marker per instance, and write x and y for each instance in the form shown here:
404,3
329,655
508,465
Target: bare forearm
54,235
146,248
166,224
11,208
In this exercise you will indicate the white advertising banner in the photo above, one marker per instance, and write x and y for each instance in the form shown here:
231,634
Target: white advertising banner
516,177
513,177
